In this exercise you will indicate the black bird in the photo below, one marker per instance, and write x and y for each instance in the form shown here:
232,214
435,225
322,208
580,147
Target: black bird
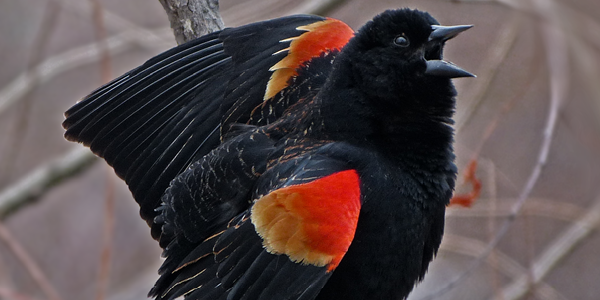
287,159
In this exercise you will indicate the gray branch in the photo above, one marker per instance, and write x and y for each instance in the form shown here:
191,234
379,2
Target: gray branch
36,183
191,19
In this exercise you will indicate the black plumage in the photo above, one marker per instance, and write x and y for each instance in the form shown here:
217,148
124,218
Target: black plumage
192,136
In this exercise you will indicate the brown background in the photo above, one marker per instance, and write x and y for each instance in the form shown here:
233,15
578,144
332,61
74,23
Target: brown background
528,54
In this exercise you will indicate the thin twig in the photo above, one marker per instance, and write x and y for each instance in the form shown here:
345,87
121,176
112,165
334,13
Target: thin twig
509,104
558,65
492,187
32,268
475,248
583,34
30,187
22,119
539,207
130,34
66,61
114,22
10,201
495,57
500,261
555,252
42,72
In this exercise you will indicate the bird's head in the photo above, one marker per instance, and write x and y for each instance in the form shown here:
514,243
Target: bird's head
400,51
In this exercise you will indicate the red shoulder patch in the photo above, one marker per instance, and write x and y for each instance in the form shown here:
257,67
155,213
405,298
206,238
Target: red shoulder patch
320,37
312,223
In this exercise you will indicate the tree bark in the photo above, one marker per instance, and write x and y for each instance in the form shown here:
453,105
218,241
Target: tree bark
191,19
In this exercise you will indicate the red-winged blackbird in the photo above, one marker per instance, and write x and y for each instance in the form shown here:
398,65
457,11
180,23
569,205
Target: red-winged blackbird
287,159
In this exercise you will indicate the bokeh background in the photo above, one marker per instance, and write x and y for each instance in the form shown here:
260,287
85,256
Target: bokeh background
530,122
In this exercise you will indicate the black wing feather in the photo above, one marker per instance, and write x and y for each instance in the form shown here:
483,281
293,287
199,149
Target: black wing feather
246,92
234,253
247,272
153,121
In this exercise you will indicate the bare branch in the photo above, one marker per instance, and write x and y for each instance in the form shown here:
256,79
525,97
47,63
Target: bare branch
70,60
21,125
193,18
114,22
497,259
502,208
130,34
554,253
29,188
494,58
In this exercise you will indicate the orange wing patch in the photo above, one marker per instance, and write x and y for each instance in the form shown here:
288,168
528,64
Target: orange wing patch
312,223
320,37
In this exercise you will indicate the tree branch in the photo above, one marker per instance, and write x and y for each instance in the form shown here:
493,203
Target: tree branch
193,18
555,252
37,182
499,261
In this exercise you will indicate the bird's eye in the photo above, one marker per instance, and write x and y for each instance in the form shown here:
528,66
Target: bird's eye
401,41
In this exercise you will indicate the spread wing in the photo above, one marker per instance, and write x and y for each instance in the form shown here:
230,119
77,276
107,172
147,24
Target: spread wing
154,121
280,239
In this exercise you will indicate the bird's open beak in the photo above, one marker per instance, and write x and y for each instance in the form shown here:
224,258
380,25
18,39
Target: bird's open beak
443,68
445,33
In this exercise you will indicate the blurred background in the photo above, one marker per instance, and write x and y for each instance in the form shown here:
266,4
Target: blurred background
528,128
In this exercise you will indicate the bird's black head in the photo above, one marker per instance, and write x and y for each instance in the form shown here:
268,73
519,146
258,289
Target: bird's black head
398,56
